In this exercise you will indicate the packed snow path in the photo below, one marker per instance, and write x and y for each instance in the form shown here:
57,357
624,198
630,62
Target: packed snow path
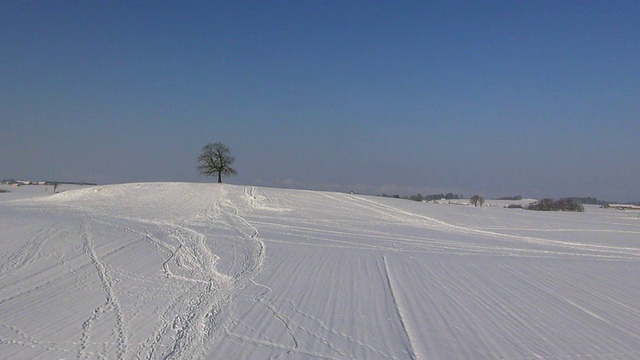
189,271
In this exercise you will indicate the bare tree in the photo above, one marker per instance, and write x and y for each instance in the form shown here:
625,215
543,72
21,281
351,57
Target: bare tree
474,200
216,159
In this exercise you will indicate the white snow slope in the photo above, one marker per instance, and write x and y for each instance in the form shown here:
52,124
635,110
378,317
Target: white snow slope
208,271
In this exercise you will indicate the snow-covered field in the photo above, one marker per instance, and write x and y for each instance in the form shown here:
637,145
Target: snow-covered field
181,271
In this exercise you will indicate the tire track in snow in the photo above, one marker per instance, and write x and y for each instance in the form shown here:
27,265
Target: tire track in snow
398,307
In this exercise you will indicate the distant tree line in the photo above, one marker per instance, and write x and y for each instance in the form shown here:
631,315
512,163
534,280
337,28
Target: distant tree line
547,204
585,200
564,204
514,206
588,200
420,197
511,198
38,182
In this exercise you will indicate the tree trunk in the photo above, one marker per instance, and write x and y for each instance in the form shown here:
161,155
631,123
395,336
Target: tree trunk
219,177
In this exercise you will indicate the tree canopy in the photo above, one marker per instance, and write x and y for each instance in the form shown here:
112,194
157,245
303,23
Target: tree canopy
216,159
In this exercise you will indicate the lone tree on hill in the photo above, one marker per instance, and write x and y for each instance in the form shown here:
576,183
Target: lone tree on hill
216,159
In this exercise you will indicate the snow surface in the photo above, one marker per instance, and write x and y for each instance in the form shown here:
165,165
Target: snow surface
182,271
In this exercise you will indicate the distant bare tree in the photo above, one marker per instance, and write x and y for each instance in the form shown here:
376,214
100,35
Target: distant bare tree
55,187
216,159
475,199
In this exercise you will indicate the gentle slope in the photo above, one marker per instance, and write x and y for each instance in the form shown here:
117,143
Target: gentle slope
178,270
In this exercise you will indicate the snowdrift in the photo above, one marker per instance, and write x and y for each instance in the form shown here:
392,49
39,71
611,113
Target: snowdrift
181,271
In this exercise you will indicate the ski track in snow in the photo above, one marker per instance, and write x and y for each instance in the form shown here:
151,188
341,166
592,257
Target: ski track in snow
347,277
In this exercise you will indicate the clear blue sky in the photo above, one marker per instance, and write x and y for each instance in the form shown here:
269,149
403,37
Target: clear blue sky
538,98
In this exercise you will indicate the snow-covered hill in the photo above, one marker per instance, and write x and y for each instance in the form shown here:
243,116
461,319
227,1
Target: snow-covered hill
177,270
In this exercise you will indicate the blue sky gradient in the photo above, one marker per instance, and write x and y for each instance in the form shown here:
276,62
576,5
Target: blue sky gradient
538,98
